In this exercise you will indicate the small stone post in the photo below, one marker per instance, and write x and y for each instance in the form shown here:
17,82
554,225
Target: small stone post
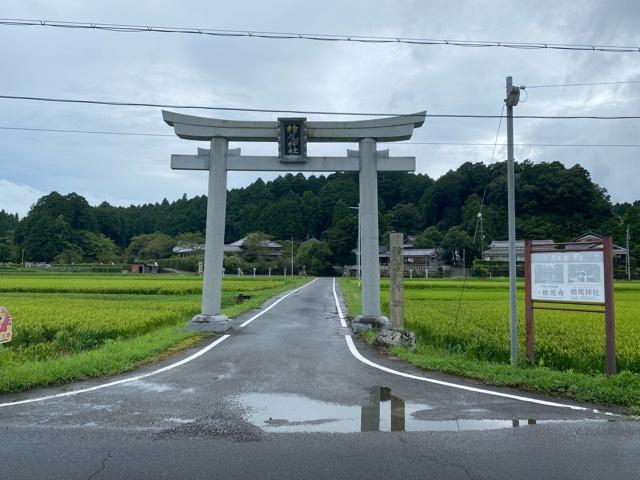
396,287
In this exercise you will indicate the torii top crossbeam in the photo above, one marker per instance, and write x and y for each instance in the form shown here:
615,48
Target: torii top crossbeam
389,129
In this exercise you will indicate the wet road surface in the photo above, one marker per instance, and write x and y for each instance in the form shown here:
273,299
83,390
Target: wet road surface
284,397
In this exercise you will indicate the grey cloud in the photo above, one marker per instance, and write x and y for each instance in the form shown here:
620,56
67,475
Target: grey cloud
308,75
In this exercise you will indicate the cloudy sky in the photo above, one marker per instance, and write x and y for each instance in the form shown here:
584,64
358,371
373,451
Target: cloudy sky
302,74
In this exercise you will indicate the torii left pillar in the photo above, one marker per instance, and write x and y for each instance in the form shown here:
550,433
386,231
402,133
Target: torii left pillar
210,318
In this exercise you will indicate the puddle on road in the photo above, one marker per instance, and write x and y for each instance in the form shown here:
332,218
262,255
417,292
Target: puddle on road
384,412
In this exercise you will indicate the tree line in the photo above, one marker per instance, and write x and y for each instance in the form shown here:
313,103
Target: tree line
552,201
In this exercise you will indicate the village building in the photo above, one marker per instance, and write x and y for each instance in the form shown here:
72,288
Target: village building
188,250
498,250
144,267
415,259
269,249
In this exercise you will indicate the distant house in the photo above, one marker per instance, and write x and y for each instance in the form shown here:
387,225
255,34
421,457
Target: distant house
188,250
416,259
409,241
142,267
498,250
271,250
594,237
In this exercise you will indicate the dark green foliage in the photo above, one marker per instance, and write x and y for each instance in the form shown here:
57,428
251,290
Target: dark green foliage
8,249
315,256
186,264
8,222
151,246
430,238
454,242
405,218
552,201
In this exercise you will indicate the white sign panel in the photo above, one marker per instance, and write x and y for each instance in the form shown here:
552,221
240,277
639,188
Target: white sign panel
568,276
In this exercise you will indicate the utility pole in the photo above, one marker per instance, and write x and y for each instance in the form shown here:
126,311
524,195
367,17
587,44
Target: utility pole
358,258
481,237
23,257
292,256
513,96
628,262
464,263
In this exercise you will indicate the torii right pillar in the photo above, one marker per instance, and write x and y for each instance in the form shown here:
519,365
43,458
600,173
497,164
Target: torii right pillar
371,317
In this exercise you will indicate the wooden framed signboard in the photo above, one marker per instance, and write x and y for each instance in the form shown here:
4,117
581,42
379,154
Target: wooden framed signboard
576,277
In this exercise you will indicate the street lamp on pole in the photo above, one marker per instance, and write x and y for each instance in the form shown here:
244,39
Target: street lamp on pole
628,260
513,96
481,237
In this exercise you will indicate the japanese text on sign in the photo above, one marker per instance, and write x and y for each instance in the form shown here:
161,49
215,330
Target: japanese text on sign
568,276
292,139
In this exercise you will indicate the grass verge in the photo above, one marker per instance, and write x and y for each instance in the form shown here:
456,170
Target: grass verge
622,390
120,354
112,357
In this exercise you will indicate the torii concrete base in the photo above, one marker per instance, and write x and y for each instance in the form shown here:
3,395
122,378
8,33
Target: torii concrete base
362,323
210,323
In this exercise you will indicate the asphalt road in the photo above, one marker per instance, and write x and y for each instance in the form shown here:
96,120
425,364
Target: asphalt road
284,397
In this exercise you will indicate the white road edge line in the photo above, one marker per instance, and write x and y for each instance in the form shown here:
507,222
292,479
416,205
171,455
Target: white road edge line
354,351
159,370
257,315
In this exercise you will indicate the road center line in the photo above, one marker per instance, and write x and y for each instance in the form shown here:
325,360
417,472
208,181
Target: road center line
159,370
354,351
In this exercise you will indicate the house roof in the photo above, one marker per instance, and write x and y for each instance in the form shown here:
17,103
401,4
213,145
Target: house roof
415,252
409,241
503,245
187,248
496,244
264,243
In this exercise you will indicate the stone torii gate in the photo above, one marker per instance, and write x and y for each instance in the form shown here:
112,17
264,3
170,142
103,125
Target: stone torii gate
292,135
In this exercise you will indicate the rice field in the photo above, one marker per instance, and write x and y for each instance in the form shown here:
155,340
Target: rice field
476,322
126,283
59,318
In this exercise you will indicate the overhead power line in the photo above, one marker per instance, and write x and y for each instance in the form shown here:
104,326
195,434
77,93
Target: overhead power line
435,143
323,37
309,112
524,87
469,144
91,132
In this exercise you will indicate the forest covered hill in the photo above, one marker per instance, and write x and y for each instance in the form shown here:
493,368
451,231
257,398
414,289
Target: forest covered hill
552,201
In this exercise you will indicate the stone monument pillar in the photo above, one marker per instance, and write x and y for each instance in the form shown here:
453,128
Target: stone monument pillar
396,281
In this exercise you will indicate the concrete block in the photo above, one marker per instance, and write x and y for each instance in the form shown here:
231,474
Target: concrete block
210,323
394,338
